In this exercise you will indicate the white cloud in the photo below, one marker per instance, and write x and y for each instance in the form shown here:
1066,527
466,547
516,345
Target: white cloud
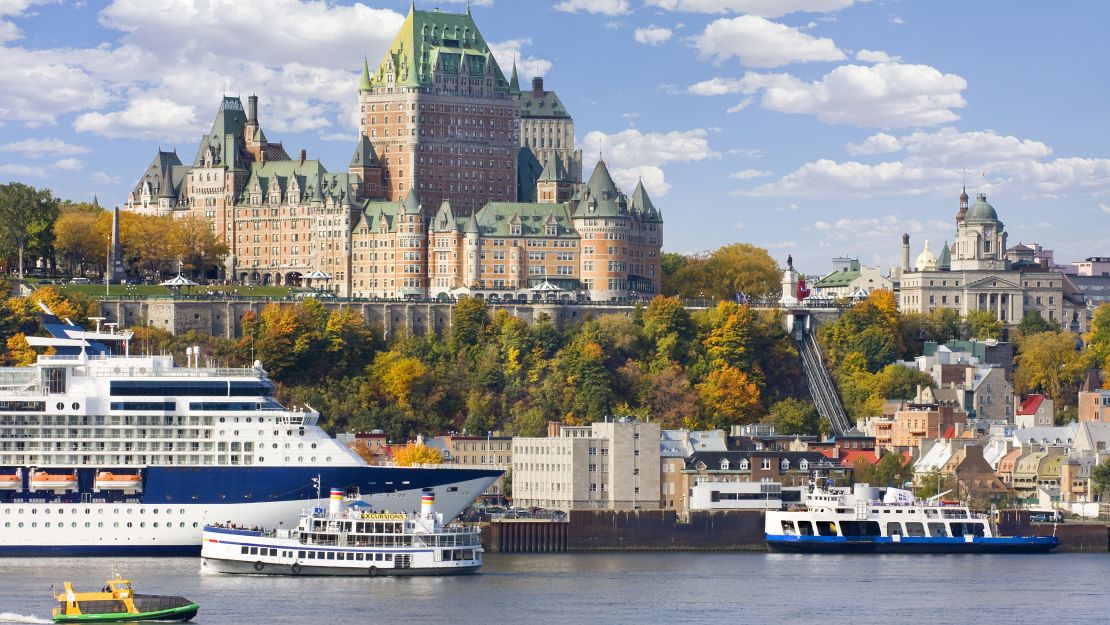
339,136
780,245
876,56
477,3
16,172
69,164
652,35
104,178
1104,208
604,7
758,42
9,32
632,154
630,115
748,174
741,105
932,162
527,66
791,208
747,152
32,148
884,95
880,143
764,8
667,88
148,118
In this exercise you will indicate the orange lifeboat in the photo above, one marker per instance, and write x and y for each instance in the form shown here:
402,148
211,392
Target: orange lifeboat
106,480
41,480
11,481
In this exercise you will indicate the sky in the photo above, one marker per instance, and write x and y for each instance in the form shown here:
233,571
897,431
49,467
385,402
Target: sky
815,128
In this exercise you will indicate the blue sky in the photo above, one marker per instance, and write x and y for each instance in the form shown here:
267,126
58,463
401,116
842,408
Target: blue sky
816,128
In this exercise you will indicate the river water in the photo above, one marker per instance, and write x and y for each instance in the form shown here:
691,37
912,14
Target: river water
610,589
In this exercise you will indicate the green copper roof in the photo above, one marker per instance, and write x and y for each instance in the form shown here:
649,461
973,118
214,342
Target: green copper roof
981,210
424,37
945,260
497,219
312,180
445,220
364,82
546,104
642,206
226,134
528,170
410,204
601,197
364,153
838,278
553,170
514,82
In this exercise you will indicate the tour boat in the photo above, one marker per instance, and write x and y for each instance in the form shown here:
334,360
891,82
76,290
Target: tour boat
117,602
56,482
840,519
106,480
134,454
346,540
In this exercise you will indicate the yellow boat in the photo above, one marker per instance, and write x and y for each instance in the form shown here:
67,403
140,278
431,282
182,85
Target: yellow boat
118,602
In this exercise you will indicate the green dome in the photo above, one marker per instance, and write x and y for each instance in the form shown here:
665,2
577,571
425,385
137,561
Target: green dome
981,210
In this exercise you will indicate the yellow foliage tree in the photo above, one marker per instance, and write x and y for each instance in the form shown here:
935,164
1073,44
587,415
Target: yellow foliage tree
398,375
729,397
20,353
414,453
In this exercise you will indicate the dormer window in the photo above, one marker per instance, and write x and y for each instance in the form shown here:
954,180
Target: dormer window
744,466
803,465
724,464
550,230
784,465
514,229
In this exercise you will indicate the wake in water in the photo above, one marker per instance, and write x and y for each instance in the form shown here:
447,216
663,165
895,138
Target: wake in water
12,617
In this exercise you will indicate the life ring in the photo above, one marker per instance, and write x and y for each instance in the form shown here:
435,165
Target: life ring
296,568
373,571
258,566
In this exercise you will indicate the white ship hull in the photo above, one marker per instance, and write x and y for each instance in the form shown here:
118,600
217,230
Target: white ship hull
38,529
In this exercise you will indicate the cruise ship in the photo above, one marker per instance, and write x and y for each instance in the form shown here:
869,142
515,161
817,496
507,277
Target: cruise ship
106,453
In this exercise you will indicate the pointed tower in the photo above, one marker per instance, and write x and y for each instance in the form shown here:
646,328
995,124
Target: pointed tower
514,82
962,213
364,82
366,166
554,185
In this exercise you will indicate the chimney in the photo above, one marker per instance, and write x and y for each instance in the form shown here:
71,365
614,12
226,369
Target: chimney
252,108
537,86
906,252
969,378
303,155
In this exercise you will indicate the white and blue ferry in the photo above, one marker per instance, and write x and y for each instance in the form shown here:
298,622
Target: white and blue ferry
860,520
106,453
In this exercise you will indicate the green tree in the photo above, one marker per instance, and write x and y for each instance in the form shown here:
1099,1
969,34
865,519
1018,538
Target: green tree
1098,341
1100,477
982,325
944,325
793,416
469,318
671,264
27,215
1032,322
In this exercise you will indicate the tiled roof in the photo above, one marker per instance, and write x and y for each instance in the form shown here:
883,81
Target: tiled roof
1031,404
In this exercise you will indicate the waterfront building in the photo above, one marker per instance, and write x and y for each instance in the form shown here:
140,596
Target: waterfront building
709,472
675,447
924,418
609,465
434,202
974,273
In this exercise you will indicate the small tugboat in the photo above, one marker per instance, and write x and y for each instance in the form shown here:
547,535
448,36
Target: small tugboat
118,603
346,540
859,520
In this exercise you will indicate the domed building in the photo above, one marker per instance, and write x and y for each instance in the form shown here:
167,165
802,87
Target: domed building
976,273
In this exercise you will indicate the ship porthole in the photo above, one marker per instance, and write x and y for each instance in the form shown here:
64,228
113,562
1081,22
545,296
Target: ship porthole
258,566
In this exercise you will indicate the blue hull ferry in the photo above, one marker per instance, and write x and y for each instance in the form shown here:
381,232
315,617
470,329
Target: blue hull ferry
860,520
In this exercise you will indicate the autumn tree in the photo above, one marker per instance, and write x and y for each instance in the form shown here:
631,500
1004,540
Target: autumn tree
416,454
794,416
76,240
198,248
1049,363
1098,341
742,268
728,397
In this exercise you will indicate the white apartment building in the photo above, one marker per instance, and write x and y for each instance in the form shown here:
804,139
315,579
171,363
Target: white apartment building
608,465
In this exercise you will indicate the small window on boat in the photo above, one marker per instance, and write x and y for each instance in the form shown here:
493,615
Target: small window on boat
389,557
273,552
894,528
300,554
244,550
331,555
358,556
805,528
788,528
915,529
254,551
938,530
826,528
